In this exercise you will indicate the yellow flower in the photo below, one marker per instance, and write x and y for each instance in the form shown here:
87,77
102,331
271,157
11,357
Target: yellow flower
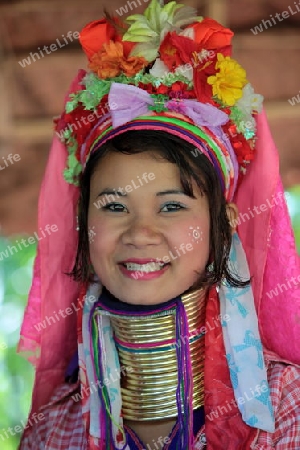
228,83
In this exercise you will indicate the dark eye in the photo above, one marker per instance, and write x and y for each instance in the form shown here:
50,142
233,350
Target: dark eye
172,206
115,207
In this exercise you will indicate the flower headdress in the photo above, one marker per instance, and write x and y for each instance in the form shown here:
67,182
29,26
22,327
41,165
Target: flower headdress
183,62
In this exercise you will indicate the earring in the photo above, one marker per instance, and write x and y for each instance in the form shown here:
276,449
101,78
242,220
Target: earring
77,224
210,268
92,234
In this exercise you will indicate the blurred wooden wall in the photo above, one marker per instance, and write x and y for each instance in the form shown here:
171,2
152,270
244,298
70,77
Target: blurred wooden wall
32,95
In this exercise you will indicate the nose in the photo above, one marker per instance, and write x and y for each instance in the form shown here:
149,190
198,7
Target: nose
141,233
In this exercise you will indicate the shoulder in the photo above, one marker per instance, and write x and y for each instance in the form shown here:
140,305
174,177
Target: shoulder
60,424
284,382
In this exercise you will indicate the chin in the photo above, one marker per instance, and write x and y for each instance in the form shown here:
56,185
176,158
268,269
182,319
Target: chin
143,300
146,296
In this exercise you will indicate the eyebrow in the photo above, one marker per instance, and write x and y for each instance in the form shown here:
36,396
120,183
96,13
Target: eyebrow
170,191
109,191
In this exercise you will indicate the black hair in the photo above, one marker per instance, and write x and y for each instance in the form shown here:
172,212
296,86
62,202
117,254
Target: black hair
193,165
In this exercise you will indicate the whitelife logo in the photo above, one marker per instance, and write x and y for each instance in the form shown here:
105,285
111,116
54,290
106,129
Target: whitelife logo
63,313
9,160
53,47
44,233
280,288
294,100
111,197
132,5
265,24
10,431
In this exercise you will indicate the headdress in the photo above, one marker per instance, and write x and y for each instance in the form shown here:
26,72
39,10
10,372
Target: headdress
169,70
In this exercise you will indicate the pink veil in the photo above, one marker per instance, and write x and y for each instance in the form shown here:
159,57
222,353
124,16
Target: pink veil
269,244
51,347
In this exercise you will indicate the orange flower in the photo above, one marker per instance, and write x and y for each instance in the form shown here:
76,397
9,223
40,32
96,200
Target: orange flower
212,35
112,50
133,65
110,62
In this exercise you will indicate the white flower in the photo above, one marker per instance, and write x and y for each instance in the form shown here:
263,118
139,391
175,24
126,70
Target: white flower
186,70
159,69
188,32
250,102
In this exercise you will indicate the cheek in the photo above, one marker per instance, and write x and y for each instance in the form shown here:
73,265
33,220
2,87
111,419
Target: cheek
193,237
194,233
100,238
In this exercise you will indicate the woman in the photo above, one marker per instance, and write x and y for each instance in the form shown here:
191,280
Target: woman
181,335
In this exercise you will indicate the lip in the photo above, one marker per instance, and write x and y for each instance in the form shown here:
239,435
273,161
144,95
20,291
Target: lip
139,275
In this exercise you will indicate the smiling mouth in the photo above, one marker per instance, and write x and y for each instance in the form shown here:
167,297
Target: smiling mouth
147,268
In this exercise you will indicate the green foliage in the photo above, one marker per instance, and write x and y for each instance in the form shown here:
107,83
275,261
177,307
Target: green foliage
16,374
293,200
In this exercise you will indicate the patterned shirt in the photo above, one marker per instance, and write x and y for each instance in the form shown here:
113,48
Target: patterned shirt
63,429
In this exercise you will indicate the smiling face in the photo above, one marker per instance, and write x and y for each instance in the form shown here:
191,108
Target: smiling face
139,219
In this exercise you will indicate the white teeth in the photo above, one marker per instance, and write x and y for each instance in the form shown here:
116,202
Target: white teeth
149,267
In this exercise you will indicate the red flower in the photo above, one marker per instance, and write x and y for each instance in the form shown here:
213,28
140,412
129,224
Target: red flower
80,122
148,87
172,91
210,35
178,86
100,32
176,50
94,35
243,149
203,90
162,89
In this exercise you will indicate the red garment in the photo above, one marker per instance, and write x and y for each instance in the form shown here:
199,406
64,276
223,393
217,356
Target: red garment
224,428
223,421
62,428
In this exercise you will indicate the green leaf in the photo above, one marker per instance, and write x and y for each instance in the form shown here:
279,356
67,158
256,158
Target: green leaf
71,105
145,50
137,28
171,7
135,38
137,17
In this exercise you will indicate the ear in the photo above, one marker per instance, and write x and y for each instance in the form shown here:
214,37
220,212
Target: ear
232,214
